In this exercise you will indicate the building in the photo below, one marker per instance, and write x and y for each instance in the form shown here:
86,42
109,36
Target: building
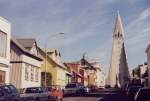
52,67
5,31
48,66
76,71
118,73
148,61
100,75
68,74
61,69
141,72
25,64
90,72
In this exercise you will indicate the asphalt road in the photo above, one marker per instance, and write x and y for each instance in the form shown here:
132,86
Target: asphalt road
81,99
102,95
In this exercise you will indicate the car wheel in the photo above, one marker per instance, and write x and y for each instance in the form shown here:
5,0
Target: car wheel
57,99
37,99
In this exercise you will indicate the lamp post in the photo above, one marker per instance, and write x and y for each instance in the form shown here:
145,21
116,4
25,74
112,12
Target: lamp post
45,44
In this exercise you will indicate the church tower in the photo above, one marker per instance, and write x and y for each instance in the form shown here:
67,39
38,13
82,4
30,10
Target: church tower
118,72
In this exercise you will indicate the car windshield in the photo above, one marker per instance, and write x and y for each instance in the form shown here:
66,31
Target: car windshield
71,86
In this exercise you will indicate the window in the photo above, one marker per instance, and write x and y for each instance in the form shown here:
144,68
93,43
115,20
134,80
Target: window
2,77
32,73
37,75
3,44
26,72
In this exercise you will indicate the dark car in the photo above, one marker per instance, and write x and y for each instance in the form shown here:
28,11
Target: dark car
36,94
87,89
132,91
132,85
143,94
9,93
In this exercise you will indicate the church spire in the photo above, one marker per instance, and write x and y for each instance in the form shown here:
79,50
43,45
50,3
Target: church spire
118,72
118,31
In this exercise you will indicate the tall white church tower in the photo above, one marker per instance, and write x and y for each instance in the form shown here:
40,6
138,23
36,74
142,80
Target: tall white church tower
118,72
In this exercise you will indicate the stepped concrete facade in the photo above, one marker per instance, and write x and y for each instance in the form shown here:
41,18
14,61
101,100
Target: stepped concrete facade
118,72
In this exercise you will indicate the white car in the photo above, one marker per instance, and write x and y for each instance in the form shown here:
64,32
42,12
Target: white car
35,94
74,88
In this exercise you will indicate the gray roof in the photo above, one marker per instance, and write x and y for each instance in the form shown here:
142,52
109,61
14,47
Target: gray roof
24,50
27,43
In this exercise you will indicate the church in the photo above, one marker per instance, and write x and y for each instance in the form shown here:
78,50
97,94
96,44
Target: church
118,73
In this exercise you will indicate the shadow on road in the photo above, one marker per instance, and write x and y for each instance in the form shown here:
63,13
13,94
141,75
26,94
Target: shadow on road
113,95
104,95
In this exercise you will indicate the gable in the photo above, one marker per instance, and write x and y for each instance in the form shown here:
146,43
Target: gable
34,49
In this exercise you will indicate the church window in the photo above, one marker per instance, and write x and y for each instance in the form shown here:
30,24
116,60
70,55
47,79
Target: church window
118,34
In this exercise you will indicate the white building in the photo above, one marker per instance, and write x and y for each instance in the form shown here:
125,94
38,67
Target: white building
5,31
148,61
100,75
25,63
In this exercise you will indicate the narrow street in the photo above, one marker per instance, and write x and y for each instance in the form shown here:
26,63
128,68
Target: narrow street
81,99
103,95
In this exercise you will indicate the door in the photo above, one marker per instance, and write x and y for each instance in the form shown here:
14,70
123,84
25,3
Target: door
2,77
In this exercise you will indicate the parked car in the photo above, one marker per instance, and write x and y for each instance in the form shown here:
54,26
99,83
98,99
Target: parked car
131,85
56,92
87,89
93,88
36,94
9,93
143,94
74,88
132,91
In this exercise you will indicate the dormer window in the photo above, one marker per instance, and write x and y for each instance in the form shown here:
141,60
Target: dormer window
34,50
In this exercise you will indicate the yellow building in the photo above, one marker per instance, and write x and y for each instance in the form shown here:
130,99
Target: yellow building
55,70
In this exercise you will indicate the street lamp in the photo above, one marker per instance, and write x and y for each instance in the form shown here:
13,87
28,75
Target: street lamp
46,41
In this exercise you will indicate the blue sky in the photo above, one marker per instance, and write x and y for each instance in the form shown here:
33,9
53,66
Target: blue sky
88,24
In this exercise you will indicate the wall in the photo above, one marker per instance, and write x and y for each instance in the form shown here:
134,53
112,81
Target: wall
61,76
35,63
5,26
50,68
29,83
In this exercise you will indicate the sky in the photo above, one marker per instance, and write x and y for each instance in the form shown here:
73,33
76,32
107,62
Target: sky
88,26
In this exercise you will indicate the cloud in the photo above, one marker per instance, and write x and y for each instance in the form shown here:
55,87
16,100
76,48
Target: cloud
138,33
146,30
145,14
